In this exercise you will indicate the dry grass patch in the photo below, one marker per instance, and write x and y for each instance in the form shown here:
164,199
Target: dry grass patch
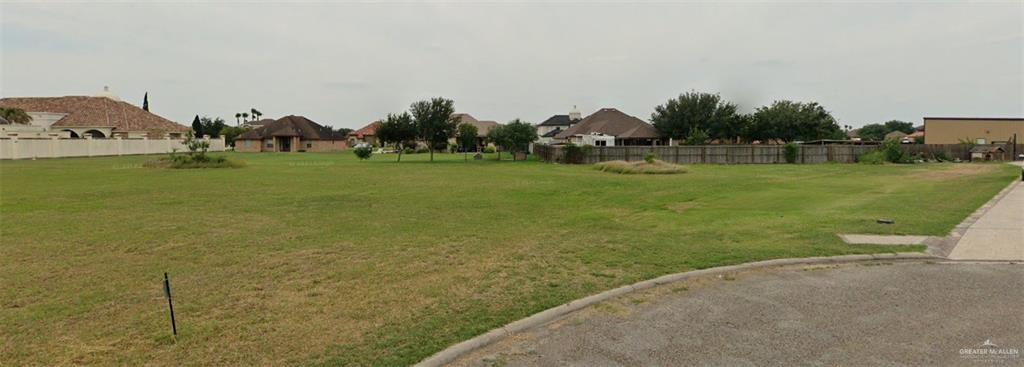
955,170
641,167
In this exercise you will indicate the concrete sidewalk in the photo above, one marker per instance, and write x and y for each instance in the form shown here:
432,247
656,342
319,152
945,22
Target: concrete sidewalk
998,234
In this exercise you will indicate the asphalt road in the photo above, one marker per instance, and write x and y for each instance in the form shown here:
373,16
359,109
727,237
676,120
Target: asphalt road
856,314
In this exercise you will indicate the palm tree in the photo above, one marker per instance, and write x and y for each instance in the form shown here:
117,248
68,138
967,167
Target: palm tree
256,114
245,116
238,115
15,116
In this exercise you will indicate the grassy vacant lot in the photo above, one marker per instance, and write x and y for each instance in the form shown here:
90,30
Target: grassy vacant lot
322,259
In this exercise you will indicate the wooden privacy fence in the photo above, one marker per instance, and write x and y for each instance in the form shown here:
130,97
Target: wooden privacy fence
746,154
953,151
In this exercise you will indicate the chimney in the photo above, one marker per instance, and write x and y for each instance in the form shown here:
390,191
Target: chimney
575,114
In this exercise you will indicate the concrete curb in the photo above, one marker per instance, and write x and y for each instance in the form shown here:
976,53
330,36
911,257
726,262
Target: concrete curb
453,352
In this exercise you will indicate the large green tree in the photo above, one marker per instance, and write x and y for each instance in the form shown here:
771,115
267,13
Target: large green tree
499,137
793,121
897,125
343,131
230,133
518,135
15,116
212,126
877,132
872,132
435,121
467,139
397,129
696,111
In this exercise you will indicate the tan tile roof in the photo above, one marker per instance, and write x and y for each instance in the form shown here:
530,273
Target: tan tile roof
610,121
465,118
85,111
483,127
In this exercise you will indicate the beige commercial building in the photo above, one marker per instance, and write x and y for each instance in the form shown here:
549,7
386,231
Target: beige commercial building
956,130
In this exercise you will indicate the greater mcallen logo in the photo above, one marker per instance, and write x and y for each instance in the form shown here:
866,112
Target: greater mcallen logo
989,352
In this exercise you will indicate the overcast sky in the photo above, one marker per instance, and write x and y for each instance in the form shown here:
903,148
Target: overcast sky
345,64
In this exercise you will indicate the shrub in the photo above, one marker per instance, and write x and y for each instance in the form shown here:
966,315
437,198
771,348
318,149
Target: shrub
576,154
791,151
196,149
697,137
941,156
422,150
650,168
363,151
195,157
408,150
872,157
489,149
649,157
893,152
175,161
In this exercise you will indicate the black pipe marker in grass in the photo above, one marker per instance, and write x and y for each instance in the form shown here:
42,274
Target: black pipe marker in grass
170,306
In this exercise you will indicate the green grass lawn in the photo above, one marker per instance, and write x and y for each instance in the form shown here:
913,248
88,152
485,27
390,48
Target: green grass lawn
322,259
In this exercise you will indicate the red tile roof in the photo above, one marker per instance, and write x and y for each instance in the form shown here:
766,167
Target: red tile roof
85,111
368,130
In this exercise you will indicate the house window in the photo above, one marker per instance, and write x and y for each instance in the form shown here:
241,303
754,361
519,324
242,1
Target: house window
309,145
270,145
600,143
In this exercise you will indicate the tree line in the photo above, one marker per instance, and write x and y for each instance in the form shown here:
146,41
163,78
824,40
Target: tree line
701,118
877,132
433,122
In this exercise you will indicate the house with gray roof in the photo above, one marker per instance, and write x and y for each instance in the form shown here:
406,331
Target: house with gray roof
547,130
608,127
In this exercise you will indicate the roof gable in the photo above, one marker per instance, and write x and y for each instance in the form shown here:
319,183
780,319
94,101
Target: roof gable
610,121
464,118
368,130
289,126
557,120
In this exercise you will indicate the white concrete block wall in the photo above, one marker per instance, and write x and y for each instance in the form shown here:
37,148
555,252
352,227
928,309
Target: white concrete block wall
15,148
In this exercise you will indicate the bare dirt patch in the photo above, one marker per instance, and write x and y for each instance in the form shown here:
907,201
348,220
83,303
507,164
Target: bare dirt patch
641,167
954,171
